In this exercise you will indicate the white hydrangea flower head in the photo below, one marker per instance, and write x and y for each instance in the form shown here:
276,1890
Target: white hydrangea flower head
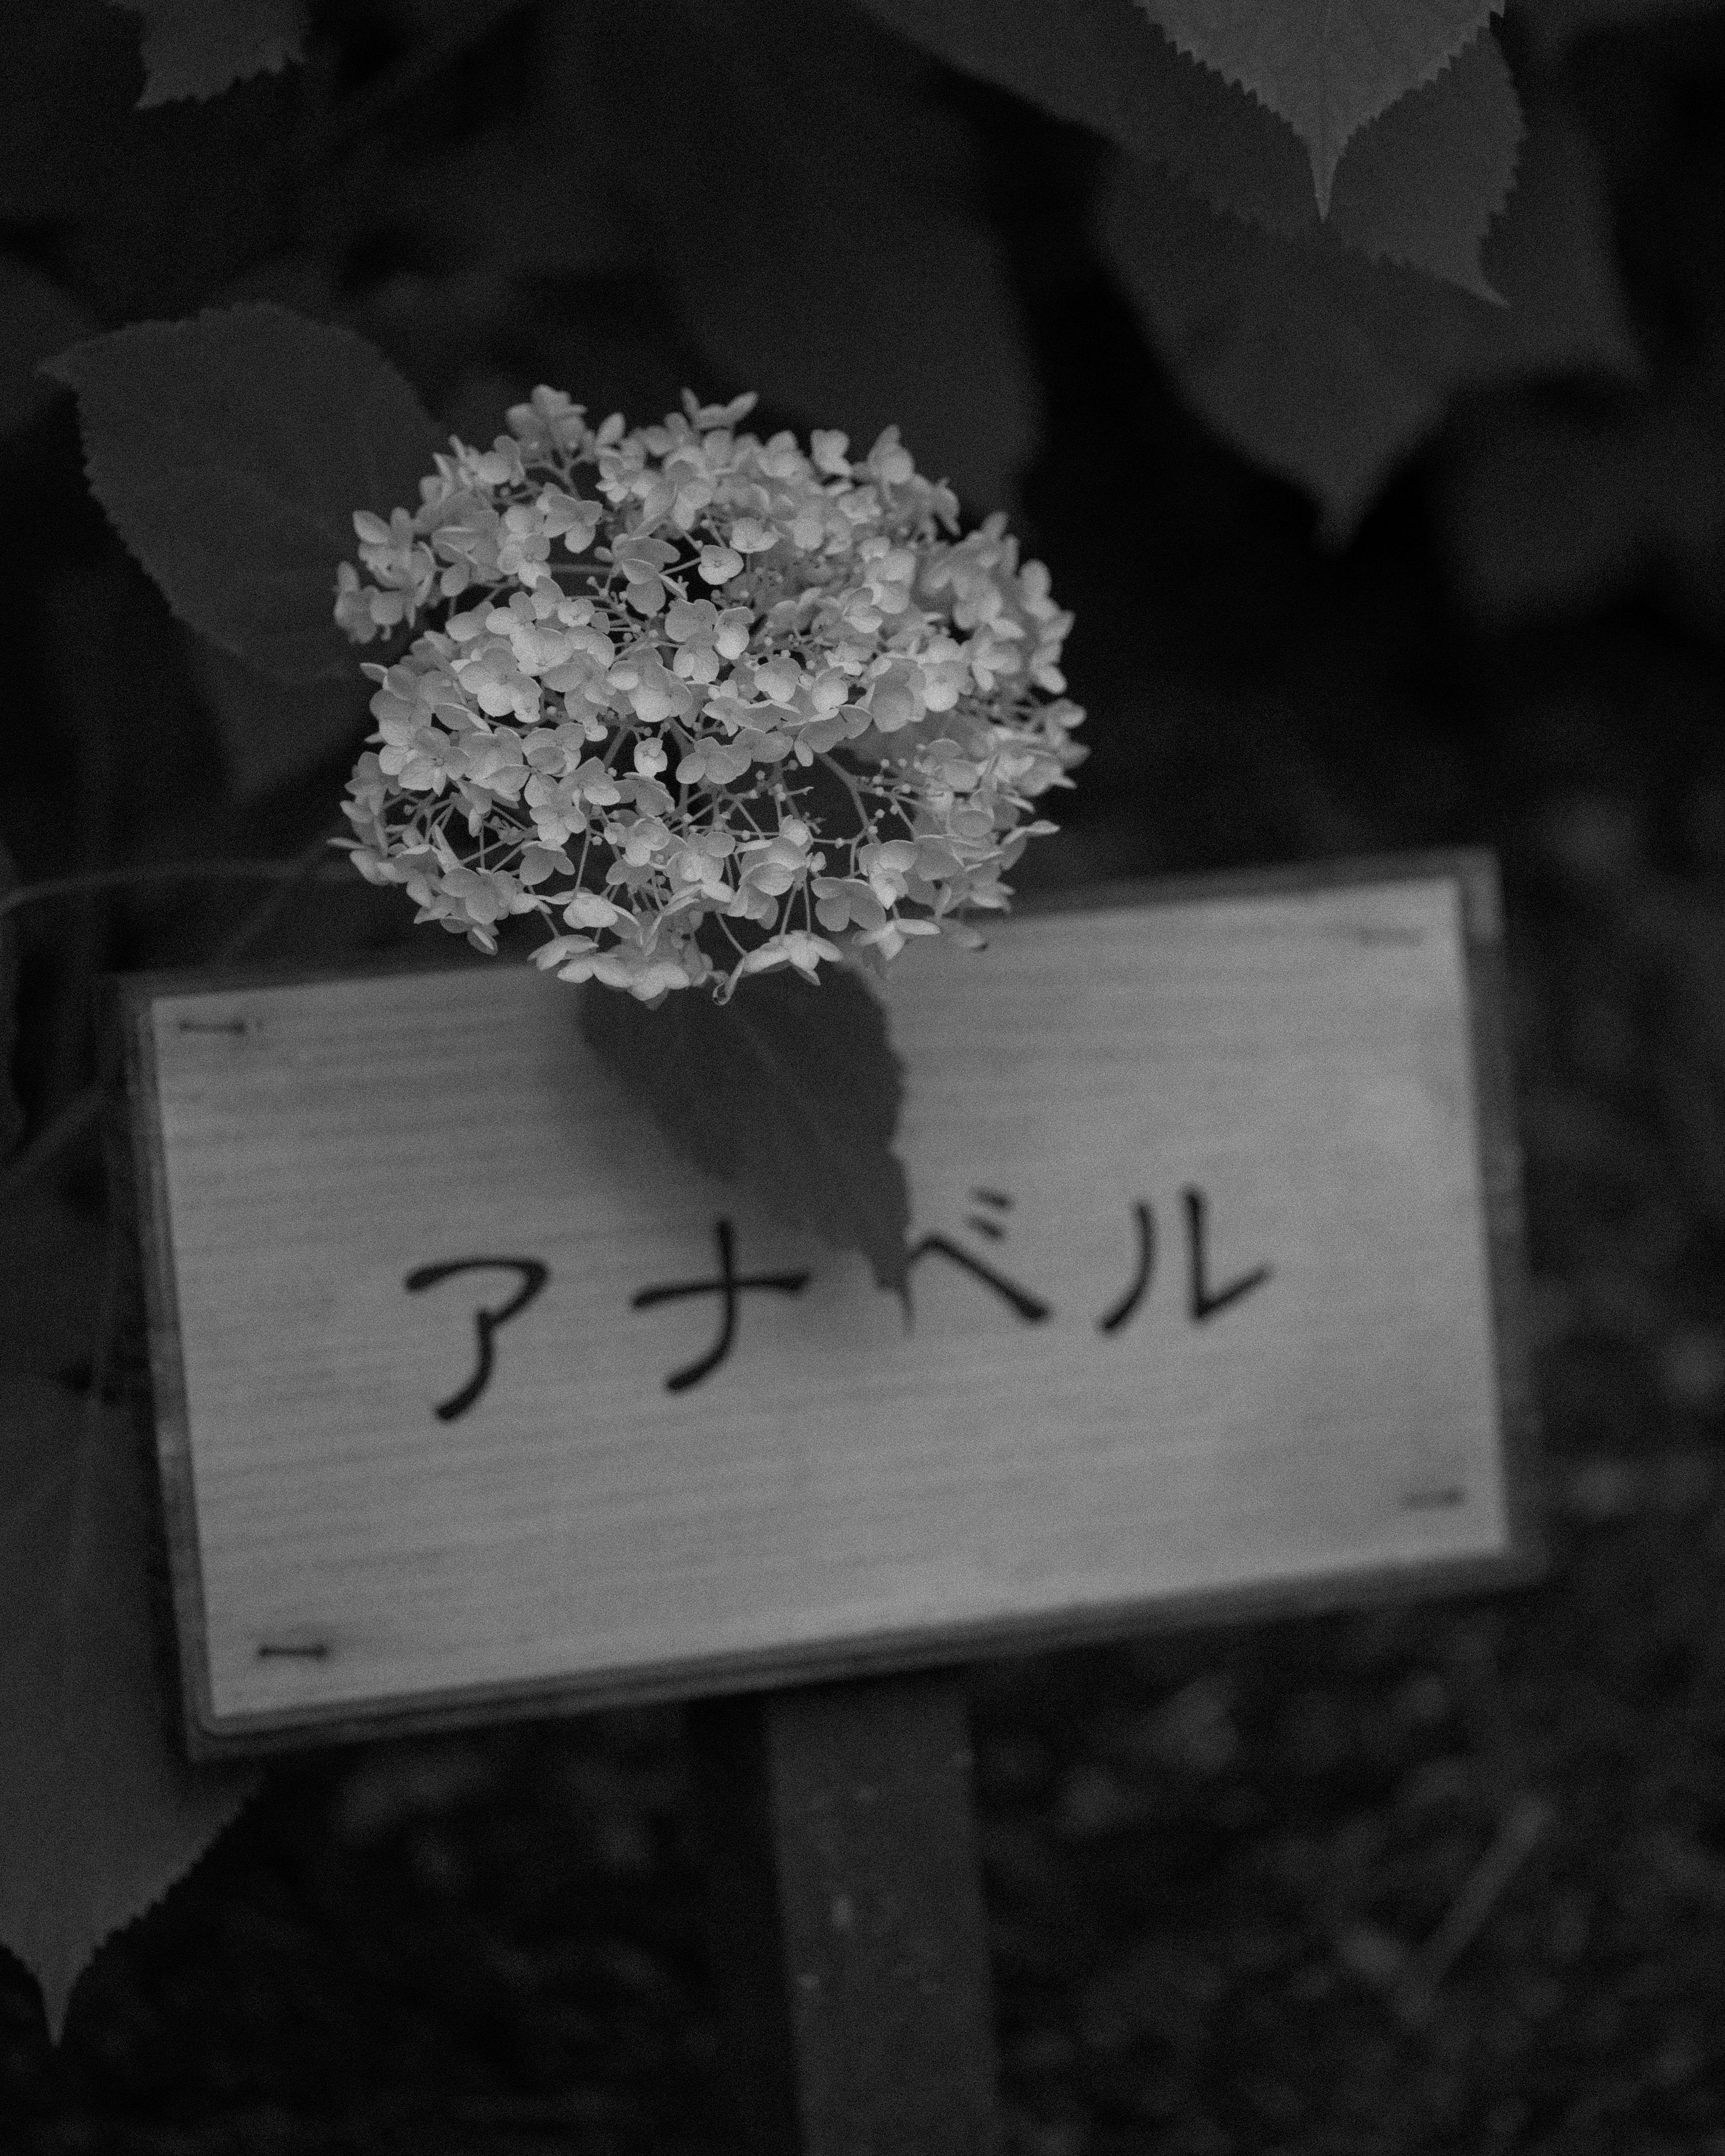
706,705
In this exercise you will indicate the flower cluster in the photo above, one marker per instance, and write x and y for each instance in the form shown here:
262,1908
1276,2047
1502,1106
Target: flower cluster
718,704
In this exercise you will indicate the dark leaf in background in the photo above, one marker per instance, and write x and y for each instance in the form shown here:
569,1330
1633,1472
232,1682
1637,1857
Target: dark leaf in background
1327,371
816,216
792,1091
1420,184
99,1814
200,47
1327,67
231,452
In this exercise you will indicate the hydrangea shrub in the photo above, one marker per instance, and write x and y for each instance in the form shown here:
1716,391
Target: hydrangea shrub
637,652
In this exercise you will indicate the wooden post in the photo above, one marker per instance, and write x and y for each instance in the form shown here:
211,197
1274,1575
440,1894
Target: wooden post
849,1942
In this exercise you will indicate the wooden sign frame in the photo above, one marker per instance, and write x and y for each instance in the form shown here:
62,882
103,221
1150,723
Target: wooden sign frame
1472,873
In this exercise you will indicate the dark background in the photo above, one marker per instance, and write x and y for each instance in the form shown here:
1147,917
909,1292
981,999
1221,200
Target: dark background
1206,1858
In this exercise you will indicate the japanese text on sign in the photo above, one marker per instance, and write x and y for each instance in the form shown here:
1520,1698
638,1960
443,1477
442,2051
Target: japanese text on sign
1203,1301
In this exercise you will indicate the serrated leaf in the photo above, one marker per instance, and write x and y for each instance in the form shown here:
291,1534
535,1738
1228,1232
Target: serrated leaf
834,256
1419,184
1325,66
1422,183
200,47
1327,371
230,452
98,1813
792,1091
12,1114
37,317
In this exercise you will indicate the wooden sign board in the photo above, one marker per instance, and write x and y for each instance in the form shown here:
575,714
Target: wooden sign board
473,1399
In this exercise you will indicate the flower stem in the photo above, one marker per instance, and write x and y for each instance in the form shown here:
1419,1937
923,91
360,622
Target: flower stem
865,822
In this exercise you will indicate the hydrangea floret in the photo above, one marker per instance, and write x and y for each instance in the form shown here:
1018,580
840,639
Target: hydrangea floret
707,705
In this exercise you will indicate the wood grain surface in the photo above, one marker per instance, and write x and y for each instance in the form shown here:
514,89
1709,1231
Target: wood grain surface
1291,1085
